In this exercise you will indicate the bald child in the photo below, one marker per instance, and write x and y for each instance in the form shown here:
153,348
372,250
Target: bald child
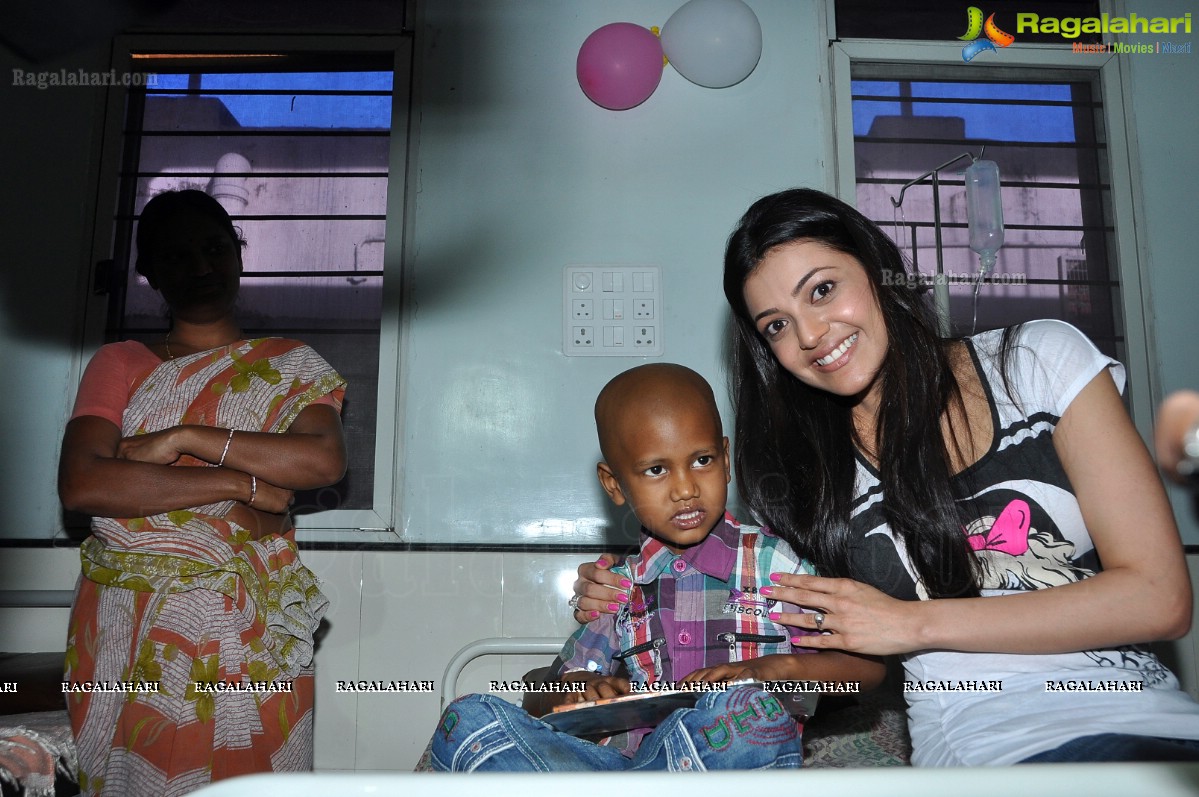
695,610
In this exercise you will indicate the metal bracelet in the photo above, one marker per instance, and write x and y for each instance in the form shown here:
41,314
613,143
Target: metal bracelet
224,453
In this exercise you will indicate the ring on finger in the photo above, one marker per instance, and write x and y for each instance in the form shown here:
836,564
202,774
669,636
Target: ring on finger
819,618
574,601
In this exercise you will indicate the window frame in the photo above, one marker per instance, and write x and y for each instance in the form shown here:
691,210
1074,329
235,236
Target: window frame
1142,387
378,523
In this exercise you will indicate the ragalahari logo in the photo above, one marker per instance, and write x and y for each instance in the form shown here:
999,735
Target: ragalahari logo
975,27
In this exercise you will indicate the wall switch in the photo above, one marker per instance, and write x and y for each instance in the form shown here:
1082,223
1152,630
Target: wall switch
613,281
605,310
614,336
614,309
644,280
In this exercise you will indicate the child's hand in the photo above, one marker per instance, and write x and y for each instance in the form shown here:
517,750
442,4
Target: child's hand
598,590
777,667
598,687
606,686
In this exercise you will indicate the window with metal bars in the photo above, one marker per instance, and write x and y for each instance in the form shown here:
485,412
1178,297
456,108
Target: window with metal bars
296,147
1044,129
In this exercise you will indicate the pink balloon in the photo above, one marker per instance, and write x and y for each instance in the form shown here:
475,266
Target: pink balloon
620,65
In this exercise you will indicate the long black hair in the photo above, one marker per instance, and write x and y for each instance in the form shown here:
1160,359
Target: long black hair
795,445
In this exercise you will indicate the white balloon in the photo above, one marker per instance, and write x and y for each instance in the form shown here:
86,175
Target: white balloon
714,43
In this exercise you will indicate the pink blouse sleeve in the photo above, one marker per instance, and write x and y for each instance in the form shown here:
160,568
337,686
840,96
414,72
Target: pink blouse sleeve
108,378
332,398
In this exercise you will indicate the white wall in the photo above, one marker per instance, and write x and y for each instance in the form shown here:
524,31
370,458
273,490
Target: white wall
517,174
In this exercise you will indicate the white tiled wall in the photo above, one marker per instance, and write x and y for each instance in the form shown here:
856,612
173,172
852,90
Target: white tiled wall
401,616
417,610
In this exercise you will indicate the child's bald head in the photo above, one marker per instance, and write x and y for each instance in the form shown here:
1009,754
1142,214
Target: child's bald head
664,451
649,391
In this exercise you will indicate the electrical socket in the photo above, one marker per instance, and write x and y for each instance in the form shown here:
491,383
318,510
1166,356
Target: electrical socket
643,309
583,336
643,337
582,310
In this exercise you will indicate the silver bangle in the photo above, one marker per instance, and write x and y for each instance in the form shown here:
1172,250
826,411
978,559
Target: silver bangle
253,489
224,453
1188,464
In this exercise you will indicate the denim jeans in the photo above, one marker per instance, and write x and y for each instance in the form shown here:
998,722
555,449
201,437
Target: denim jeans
1119,747
741,728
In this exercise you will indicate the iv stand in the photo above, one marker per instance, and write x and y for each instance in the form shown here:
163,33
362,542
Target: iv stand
940,284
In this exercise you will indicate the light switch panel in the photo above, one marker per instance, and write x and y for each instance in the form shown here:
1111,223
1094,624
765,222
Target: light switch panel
611,311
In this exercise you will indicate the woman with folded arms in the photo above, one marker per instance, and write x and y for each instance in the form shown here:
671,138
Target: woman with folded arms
186,452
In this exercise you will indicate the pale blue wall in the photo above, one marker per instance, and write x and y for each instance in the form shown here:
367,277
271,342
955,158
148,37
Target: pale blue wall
47,140
519,175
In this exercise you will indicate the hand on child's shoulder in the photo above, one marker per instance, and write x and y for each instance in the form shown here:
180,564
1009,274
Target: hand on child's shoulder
599,590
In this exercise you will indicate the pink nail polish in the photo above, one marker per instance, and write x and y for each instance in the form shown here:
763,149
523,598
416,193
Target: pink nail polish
602,564
594,615
612,607
620,596
774,616
766,591
795,640
775,577
624,582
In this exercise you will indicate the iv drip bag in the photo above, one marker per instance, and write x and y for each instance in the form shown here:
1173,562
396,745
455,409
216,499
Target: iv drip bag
984,207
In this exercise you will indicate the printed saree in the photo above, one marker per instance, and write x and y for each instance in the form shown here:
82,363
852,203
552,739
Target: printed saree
173,609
